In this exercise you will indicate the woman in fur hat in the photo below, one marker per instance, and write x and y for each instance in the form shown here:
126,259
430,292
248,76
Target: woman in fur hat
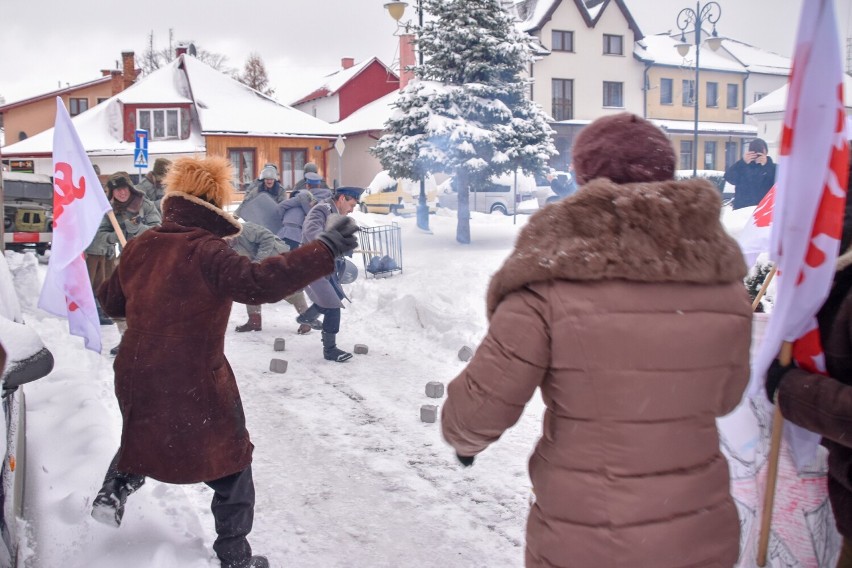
624,303
183,420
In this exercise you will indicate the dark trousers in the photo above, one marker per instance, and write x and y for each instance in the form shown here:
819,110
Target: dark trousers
845,560
232,506
330,319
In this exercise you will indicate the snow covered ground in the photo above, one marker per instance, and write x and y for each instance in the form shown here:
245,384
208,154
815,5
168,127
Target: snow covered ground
346,473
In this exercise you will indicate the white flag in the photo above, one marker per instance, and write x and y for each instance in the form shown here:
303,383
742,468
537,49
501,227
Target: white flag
79,205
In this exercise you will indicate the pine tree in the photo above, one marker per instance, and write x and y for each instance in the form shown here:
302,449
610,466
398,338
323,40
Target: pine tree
254,75
467,114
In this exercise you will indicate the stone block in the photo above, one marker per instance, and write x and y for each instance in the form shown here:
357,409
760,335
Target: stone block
428,413
278,365
465,353
434,389
279,344
360,349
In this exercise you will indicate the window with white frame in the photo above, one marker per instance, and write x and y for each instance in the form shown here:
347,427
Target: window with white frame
161,123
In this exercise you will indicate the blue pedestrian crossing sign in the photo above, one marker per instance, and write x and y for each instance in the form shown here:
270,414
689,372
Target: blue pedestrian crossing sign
140,154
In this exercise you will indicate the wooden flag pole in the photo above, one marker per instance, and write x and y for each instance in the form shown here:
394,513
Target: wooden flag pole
785,357
119,233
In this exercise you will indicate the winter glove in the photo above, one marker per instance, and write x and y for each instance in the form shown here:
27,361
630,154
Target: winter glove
774,375
339,235
466,461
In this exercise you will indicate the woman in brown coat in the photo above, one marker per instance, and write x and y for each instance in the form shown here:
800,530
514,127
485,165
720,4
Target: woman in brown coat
182,416
625,305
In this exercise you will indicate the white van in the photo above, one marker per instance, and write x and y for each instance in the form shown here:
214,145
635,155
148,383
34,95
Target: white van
501,196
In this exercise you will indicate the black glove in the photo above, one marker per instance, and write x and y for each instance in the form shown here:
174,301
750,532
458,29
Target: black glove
339,234
466,461
774,375
112,238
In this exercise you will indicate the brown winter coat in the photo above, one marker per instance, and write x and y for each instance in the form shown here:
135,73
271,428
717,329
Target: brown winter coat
183,418
625,305
824,404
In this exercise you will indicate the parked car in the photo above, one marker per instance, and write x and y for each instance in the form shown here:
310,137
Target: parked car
27,359
500,196
544,184
398,196
28,211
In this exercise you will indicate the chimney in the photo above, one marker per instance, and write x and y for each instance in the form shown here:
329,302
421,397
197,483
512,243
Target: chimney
180,50
128,68
116,81
406,59
347,62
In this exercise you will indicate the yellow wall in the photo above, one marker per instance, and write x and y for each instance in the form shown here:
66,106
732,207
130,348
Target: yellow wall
678,111
40,115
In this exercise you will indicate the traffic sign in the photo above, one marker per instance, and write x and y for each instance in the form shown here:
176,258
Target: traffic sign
140,154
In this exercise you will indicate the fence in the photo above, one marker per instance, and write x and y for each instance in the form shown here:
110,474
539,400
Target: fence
382,250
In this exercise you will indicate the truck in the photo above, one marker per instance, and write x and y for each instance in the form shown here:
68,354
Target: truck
27,211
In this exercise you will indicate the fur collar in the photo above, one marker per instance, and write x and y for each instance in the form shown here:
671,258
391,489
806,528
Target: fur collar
190,211
645,232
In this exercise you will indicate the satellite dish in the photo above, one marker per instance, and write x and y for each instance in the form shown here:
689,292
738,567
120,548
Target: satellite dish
191,49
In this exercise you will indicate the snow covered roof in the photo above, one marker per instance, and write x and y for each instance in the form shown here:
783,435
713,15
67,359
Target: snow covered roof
533,14
371,116
776,101
661,49
705,127
757,60
51,94
333,82
224,106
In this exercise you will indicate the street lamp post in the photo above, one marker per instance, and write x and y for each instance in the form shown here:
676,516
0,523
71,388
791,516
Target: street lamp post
710,12
396,10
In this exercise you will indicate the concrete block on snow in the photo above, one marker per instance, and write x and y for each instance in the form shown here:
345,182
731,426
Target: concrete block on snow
360,349
465,353
434,389
278,366
279,344
428,413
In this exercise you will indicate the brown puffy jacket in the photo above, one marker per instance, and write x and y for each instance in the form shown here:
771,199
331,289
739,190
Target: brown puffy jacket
625,305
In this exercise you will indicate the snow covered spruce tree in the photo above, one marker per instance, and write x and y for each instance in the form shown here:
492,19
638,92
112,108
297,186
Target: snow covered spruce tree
466,114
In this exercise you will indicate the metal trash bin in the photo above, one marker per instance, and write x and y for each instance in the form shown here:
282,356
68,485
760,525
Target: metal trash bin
382,250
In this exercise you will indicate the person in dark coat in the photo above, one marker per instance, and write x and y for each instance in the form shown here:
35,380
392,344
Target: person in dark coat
314,179
327,293
823,404
182,418
753,175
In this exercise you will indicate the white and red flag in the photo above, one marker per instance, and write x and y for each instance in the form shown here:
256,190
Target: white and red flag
810,196
755,237
79,206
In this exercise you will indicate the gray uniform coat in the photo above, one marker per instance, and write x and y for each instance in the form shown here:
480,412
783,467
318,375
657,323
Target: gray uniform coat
293,211
322,292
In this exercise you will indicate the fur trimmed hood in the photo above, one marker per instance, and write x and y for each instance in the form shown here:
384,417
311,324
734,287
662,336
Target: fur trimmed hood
190,211
666,231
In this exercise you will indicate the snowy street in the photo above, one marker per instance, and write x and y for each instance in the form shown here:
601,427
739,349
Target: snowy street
346,473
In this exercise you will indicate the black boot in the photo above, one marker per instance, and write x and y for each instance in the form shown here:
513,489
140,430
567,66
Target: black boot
108,506
330,350
253,324
104,319
253,562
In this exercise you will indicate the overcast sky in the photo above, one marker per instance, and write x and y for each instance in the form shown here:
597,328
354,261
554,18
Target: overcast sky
55,42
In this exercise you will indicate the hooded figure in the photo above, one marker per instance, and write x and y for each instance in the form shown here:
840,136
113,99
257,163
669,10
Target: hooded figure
624,303
182,417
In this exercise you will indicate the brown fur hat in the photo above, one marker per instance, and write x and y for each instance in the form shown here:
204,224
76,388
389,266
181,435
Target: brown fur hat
161,167
624,148
206,178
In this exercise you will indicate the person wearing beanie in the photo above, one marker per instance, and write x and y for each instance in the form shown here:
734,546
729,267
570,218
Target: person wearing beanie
267,183
624,304
182,418
326,293
823,404
152,184
311,179
135,214
752,176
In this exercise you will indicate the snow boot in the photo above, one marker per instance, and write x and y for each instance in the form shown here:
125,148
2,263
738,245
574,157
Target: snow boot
253,562
114,350
104,319
330,350
108,506
253,324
